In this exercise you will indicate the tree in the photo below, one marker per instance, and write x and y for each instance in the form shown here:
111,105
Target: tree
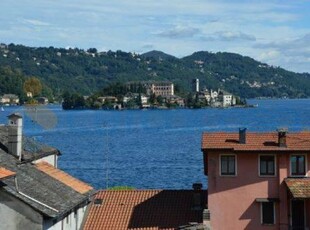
92,50
33,85
160,99
190,100
73,101
67,103
153,98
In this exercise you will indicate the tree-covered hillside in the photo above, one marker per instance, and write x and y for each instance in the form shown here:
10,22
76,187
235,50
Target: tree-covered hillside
86,72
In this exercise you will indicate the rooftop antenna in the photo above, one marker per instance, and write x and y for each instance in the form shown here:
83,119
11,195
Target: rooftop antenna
107,157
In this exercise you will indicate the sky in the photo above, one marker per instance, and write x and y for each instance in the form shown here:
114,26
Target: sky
274,32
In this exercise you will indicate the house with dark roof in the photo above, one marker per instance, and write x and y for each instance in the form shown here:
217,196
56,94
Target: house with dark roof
258,180
42,100
147,210
34,193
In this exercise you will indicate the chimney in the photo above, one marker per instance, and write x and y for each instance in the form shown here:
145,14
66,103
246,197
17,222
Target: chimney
282,137
206,217
15,128
197,196
242,135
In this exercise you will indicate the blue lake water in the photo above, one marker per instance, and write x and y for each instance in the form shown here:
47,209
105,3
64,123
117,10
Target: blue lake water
152,148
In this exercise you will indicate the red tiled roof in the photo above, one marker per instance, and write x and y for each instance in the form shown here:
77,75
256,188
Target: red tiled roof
299,187
256,141
63,177
5,173
143,209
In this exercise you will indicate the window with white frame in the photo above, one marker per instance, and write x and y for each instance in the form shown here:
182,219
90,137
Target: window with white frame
267,165
298,165
267,212
228,165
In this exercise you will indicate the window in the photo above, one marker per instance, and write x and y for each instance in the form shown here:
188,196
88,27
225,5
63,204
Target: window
266,165
267,212
228,165
298,165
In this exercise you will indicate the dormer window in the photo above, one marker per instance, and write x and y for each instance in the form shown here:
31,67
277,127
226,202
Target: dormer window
298,165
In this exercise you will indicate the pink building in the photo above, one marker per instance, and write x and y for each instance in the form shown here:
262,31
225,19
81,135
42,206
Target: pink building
258,180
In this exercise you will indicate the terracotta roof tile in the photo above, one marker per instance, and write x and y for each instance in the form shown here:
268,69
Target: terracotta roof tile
63,177
256,141
143,209
299,187
5,173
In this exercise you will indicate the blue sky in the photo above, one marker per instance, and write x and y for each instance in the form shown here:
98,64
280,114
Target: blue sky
274,32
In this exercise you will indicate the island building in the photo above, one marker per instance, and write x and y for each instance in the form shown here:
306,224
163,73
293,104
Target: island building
227,99
174,99
257,180
136,96
159,88
217,98
195,85
110,99
34,193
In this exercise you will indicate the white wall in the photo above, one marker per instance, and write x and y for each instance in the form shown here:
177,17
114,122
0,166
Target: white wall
16,215
71,222
227,99
52,159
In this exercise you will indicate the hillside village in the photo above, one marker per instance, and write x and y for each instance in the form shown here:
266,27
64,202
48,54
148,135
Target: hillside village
86,72
14,100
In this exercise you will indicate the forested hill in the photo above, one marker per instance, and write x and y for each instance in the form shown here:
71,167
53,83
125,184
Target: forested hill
86,72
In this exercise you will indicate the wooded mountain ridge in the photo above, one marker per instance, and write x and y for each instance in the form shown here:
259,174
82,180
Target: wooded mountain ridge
87,71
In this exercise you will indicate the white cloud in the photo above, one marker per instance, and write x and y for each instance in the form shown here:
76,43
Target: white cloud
290,52
259,29
147,47
35,22
179,32
269,55
229,36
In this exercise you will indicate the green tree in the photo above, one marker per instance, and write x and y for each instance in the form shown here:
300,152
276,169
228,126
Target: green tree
92,50
73,101
160,100
190,100
153,99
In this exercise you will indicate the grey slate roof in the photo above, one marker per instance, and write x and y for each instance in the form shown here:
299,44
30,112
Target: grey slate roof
32,150
39,186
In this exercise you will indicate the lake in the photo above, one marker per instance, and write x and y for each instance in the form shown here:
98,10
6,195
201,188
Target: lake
149,149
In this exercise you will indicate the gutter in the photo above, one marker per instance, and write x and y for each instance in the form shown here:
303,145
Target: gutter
85,201
31,198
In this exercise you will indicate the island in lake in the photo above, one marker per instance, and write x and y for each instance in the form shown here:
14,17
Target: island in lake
151,94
